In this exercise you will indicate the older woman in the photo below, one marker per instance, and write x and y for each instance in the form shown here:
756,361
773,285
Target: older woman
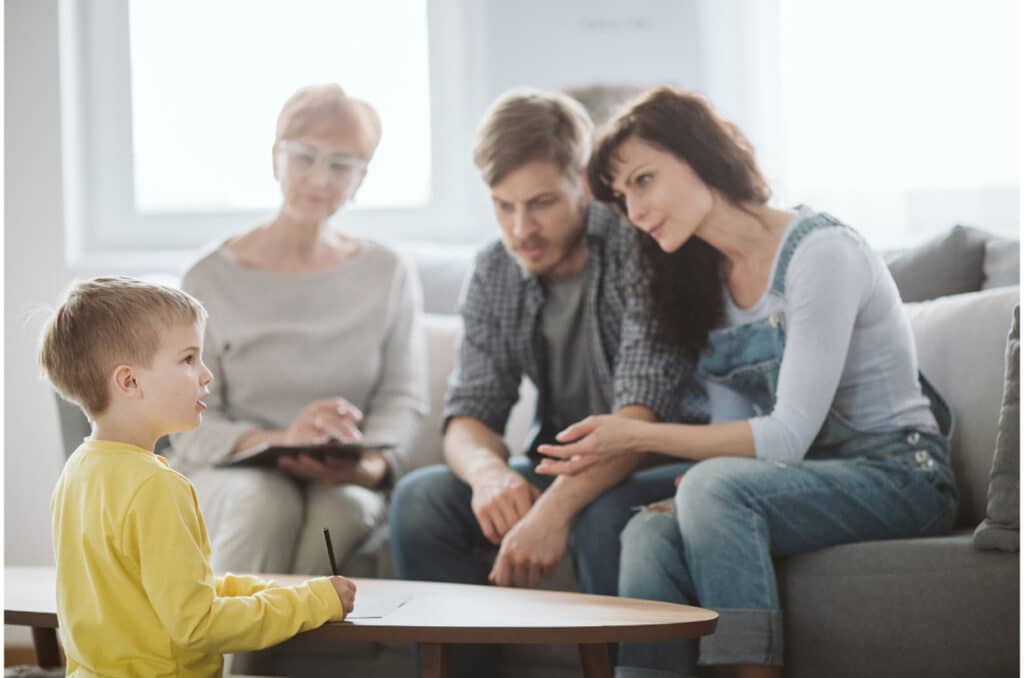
822,432
312,333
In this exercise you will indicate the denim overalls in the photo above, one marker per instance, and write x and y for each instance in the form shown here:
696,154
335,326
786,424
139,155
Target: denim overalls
734,515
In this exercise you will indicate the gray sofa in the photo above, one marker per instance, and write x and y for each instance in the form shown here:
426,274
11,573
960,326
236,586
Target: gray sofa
916,607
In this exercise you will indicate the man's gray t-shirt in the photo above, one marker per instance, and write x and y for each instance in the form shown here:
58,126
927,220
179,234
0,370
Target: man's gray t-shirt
566,323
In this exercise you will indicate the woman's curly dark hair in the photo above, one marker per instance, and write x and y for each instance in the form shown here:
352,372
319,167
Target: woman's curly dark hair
684,288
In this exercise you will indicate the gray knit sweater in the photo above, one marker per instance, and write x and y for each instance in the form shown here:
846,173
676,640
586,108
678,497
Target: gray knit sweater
277,341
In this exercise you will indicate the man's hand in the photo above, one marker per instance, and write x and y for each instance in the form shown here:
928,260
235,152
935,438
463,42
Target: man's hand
531,550
346,591
501,498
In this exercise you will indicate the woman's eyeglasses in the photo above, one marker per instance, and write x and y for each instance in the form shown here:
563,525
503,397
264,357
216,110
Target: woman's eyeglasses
301,159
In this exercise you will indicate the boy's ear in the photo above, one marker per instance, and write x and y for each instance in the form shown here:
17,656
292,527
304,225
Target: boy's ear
125,383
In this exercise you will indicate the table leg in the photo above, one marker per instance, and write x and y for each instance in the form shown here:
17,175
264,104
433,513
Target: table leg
433,660
45,643
596,661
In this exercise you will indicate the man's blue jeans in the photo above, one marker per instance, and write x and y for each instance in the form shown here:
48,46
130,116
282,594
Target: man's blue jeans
435,536
733,516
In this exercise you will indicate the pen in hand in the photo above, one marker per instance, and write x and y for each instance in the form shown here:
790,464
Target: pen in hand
330,551
345,588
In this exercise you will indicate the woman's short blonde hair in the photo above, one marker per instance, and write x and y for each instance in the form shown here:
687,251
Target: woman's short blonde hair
105,322
525,125
318,106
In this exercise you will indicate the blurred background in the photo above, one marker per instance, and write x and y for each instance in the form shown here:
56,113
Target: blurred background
137,131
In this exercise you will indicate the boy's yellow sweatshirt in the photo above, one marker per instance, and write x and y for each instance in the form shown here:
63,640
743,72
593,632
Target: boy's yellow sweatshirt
135,592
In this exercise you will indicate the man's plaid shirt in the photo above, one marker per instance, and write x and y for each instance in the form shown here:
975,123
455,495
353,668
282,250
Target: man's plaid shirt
501,339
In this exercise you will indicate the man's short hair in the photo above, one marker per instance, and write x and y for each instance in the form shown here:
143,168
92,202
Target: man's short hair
523,126
105,322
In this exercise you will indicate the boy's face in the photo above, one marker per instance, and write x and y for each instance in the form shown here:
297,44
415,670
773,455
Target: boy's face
175,384
542,214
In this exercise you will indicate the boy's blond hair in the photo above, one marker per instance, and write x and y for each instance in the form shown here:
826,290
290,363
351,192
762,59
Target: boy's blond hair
105,322
526,125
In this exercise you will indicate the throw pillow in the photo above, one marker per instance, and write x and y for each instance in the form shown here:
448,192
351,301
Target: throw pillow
949,264
1001,529
1002,263
961,341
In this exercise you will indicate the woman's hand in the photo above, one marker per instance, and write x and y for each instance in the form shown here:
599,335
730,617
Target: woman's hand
369,470
594,440
323,419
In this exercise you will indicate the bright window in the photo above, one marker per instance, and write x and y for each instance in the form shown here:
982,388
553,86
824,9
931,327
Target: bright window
208,79
902,118
169,109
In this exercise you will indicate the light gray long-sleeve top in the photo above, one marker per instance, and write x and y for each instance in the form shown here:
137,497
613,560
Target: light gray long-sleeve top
277,341
849,348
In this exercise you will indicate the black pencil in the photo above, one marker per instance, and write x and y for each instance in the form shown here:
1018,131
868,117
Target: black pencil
330,551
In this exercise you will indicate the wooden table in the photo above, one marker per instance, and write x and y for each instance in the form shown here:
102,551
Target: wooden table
432,614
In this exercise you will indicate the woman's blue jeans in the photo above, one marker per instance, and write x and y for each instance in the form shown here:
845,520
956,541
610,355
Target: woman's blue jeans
732,516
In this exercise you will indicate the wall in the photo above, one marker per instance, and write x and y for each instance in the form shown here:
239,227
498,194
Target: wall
34,273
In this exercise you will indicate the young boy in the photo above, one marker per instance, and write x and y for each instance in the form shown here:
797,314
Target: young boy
135,592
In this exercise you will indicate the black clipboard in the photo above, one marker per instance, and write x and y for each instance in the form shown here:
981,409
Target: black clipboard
266,455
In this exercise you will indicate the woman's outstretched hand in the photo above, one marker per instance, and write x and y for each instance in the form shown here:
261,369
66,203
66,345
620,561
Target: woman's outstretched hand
592,441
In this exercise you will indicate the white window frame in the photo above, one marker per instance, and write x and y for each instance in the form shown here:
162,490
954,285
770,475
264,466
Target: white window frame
97,152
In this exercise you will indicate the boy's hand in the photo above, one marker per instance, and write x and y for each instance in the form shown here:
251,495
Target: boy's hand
346,591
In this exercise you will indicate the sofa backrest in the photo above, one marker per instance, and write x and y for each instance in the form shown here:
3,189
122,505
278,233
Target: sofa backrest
443,332
961,344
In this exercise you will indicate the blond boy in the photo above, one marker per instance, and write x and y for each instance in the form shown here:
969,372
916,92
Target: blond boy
135,592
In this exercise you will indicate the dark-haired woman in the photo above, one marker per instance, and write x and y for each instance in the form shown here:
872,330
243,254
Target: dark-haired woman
822,430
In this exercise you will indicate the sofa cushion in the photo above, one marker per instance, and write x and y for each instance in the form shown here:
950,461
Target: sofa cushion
904,607
443,270
443,332
1001,527
952,263
1002,263
960,344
